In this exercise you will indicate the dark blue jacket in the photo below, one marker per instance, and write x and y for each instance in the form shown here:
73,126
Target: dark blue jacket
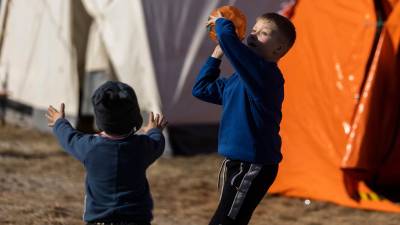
251,100
116,183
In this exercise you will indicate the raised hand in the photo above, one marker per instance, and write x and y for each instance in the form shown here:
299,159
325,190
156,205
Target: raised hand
212,19
158,121
53,114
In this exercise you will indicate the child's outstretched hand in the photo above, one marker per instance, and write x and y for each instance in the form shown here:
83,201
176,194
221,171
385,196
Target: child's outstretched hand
158,121
53,115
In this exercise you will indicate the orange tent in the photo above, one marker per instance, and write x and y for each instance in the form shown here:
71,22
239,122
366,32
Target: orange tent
341,125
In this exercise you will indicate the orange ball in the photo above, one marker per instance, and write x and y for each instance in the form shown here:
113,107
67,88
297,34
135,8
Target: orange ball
233,14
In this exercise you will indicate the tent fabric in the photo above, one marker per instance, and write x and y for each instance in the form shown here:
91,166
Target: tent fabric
372,143
389,168
324,75
38,55
375,123
96,55
123,33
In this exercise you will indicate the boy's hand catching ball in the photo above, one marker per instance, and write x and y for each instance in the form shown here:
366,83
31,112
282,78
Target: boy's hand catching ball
212,19
230,13
53,115
157,121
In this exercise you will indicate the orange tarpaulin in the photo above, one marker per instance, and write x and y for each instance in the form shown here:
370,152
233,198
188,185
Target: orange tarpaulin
372,146
327,78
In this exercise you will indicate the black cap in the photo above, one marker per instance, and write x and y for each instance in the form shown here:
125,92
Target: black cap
116,108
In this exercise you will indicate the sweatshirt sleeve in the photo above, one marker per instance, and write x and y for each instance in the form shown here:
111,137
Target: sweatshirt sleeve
252,69
208,86
71,140
156,144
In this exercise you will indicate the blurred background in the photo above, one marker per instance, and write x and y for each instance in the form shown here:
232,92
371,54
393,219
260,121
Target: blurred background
341,114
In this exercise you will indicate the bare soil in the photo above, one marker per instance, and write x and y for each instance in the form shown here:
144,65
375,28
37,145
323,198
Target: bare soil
40,184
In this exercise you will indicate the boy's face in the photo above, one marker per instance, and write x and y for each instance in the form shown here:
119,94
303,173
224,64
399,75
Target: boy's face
266,41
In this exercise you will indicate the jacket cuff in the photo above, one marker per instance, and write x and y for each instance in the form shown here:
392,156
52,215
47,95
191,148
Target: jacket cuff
213,62
220,24
58,122
154,130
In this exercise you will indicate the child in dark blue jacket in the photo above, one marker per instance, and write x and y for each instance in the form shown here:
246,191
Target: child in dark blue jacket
251,102
115,160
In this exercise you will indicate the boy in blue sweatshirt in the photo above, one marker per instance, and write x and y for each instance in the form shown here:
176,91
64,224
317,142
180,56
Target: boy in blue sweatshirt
116,159
251,102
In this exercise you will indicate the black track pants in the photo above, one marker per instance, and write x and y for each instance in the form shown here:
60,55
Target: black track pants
244,187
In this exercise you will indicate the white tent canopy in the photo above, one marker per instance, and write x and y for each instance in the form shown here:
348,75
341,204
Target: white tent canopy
37,53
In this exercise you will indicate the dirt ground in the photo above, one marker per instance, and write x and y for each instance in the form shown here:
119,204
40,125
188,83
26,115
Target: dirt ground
39,184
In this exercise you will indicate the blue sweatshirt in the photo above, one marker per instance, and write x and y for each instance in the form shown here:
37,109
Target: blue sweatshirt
116,184
251,100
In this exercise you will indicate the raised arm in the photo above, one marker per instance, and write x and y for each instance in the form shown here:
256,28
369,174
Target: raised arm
250,67
209,86
155,141
70,139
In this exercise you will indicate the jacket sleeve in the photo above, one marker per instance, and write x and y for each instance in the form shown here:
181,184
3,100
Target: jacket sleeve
155,144
71,140
208,86
251,68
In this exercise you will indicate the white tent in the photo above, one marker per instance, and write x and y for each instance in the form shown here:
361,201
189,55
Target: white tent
155,46
38,55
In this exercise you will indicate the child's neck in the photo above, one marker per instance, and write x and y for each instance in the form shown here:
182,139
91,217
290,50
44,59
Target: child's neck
269,59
